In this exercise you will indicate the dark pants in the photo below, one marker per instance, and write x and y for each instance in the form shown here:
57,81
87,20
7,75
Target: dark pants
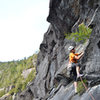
73,71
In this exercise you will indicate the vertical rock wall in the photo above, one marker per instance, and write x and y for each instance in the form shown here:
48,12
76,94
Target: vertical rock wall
65,16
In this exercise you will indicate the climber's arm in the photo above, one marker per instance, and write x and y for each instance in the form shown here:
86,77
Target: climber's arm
80,53
79,56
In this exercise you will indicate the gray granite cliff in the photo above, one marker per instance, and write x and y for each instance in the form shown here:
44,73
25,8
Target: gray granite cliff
52,81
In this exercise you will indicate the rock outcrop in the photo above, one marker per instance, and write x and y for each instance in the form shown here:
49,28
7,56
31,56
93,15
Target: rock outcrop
25,73
52,81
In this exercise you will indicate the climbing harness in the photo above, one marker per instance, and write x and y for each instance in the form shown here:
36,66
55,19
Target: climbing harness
87,89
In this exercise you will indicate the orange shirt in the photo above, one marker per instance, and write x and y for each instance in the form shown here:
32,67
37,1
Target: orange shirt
71,57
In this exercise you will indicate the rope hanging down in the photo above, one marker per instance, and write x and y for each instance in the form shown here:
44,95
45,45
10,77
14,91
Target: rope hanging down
87,89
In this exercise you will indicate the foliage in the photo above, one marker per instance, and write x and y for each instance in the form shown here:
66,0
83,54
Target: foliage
81,35
2,93
81,88
10,98
10,74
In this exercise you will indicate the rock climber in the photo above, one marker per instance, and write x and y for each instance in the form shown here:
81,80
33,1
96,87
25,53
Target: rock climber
74,64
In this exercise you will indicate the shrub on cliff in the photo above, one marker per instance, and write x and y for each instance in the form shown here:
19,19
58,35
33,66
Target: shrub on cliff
81,88
2,93
81,35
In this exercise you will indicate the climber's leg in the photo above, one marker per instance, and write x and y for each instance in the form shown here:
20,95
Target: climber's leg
75,86
78,72
75,78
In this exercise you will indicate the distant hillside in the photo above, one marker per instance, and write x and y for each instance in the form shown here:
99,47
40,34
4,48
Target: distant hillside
15,75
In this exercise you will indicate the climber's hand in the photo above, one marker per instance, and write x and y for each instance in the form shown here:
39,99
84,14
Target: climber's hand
82,52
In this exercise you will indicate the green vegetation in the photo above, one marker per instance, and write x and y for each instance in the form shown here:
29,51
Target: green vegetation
10,98
81,88
11,74
2,93
81,35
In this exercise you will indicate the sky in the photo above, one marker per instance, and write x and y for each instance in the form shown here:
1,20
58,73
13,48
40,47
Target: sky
22,26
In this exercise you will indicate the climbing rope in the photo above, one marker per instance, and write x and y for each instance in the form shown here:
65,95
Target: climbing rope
87,89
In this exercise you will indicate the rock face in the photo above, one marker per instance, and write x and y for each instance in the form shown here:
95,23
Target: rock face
25,73
25,95
52,82
68,94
